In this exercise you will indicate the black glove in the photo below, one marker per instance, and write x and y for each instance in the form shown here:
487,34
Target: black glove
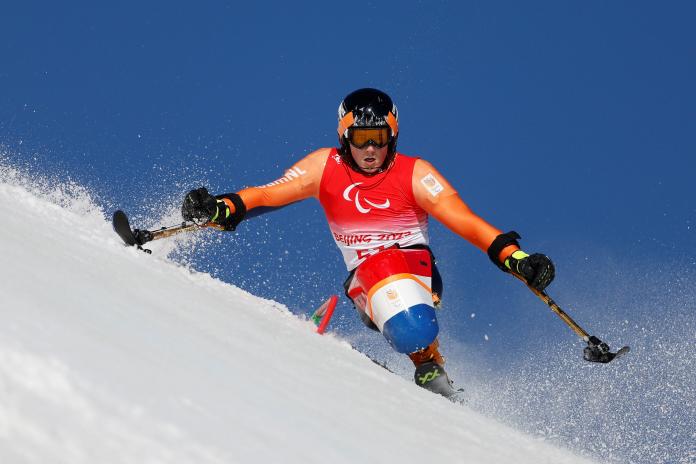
226,210
536,269
199,206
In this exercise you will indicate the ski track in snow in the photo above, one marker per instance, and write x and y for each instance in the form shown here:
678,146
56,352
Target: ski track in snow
111,355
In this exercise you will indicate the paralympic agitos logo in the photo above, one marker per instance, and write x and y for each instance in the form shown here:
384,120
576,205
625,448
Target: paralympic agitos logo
357,200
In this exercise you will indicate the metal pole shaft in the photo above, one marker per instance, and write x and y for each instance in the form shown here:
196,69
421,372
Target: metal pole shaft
173,230
557,309
562,314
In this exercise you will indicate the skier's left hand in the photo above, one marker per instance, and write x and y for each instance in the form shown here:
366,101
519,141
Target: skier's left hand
536,269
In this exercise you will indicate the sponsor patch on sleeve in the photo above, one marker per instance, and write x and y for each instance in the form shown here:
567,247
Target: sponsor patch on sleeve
292,173
432,184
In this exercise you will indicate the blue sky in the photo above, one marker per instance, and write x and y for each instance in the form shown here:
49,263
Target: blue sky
570,122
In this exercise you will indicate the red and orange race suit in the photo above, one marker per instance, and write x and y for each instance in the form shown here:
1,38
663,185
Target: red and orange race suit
367,214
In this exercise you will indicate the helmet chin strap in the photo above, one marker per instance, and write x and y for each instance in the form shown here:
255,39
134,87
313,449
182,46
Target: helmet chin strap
370,174
385,165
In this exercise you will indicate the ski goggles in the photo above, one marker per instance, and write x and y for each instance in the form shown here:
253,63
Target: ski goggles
361,137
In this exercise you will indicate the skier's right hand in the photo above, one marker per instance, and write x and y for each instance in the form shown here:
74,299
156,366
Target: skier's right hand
199,206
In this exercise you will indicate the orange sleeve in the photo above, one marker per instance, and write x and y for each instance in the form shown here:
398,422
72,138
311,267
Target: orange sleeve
299,182
439,199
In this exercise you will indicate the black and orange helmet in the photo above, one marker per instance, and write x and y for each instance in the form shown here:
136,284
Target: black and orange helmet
367,108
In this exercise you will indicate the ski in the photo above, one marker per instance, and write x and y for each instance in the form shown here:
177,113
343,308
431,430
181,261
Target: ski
322,315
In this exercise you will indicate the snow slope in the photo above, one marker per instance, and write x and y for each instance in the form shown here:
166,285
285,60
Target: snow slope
111,355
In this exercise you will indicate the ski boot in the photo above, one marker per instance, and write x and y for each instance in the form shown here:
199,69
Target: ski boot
430,373
432,377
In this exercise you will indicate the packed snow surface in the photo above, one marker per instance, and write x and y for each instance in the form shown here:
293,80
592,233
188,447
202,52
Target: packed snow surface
109,355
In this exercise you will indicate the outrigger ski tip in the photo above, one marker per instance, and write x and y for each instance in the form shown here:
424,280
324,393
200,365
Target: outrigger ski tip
122,228
598,351
130,237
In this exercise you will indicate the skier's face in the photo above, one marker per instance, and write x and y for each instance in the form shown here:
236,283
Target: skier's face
370,158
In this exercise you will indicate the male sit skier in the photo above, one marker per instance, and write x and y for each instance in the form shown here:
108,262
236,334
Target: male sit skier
377,202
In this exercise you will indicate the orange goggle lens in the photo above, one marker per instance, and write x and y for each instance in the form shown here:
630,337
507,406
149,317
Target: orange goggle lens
361,137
